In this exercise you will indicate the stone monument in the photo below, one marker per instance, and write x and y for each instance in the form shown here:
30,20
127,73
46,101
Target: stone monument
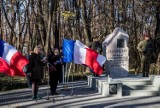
117,53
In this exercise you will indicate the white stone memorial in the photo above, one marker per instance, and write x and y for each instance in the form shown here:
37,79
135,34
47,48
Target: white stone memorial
117,53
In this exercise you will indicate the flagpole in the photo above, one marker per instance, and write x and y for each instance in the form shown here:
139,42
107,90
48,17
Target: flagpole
68,16
72,84
69,72
48,82
72,78
65,86
63,73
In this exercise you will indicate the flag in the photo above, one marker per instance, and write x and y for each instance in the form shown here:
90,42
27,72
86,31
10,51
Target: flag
4,67
12,59
67,50
86,56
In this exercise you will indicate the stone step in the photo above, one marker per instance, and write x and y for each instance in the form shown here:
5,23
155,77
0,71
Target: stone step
132,79
139,93
128,86
139,82
139,87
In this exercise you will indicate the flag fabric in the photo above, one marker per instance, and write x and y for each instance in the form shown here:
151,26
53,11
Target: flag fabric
86,56
89,57
4,67
67,50
12,60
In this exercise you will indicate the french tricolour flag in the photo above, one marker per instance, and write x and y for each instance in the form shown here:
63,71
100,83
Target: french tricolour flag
12,62
81,54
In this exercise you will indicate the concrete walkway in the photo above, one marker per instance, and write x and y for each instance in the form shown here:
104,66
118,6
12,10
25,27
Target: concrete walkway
83,97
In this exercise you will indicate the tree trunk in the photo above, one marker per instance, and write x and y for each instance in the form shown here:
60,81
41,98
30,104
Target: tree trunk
49,27
157,30
137,57
87,31
56,24
41,23
112,15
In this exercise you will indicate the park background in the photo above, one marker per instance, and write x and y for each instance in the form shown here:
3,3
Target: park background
27,23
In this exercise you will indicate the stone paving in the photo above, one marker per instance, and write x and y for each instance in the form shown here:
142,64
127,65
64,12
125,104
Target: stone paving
83,97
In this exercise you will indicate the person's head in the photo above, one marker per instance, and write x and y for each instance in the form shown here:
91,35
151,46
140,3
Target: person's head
56,51
95,38
30,52
37,49
146,37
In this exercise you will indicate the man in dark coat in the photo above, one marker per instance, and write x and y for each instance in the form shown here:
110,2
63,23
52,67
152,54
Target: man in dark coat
35,69
55,70
145,47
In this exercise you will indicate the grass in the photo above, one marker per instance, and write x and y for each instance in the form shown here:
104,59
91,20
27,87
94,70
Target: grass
11,83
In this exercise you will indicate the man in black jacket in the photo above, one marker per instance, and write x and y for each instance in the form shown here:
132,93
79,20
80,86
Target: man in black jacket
55,70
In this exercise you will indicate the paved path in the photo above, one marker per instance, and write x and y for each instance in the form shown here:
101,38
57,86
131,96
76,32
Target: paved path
83,97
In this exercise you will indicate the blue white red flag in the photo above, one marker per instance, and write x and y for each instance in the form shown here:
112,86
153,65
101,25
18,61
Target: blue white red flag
81,54
12,62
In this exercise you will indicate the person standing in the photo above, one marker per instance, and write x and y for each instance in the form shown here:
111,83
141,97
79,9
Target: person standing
35,69
145,47
96,45
28,75
55,70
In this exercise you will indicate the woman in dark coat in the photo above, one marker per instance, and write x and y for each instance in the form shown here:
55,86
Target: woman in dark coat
35,68
55,71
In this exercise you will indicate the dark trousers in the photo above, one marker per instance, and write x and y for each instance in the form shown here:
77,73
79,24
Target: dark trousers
53,82
145,64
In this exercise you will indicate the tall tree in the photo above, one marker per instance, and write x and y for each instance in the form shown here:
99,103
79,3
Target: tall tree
87,31
56,24
49,25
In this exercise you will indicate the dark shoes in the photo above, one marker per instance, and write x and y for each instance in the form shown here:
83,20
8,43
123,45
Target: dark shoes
35,97
145,75
55,93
